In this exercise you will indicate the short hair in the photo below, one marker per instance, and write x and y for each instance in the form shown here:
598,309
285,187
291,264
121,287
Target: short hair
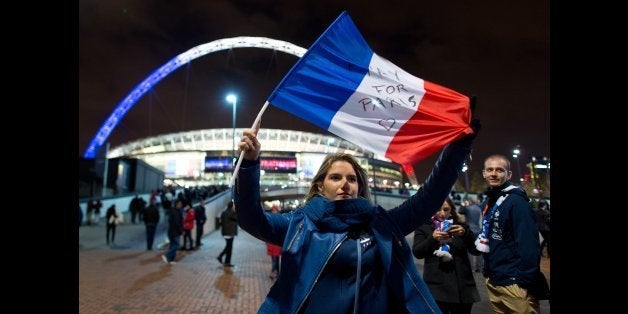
498,156
363,188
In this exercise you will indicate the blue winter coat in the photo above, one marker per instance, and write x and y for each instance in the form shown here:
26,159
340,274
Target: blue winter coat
515,253
306,250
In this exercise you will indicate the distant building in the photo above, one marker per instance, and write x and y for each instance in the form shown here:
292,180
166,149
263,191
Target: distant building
289,158
539,176
124,176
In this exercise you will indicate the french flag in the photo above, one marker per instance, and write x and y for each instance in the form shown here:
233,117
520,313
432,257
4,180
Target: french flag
342,86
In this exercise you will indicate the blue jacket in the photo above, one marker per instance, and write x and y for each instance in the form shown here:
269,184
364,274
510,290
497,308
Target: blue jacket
304,259
513,235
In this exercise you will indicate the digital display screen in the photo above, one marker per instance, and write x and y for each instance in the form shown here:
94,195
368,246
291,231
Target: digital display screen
218,164
279,164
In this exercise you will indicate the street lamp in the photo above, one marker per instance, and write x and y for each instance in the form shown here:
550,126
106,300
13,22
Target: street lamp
465,169
515,154
233,99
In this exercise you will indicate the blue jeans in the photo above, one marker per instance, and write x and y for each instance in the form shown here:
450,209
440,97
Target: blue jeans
174,246
227,251
150,236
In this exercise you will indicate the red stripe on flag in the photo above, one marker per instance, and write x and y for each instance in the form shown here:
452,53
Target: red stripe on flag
443,116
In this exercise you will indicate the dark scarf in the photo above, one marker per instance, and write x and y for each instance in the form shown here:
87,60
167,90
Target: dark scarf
340,216
493,193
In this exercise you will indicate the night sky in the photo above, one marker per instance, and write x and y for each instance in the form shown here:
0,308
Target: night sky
497,50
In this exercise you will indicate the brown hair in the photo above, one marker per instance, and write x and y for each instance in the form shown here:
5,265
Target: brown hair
363,188
453,211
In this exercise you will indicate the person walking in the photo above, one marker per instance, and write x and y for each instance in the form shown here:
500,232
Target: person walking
166,205
188,225
97,207
151,219
136,206
175,229
112,221
229,221
340,253
509,240
201,218
274,251
451,281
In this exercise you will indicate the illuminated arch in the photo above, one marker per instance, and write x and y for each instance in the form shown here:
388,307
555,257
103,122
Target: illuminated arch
198,51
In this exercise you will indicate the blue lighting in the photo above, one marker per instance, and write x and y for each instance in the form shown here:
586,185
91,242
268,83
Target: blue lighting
136,93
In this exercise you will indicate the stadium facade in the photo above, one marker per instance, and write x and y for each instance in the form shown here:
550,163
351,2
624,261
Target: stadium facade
289,158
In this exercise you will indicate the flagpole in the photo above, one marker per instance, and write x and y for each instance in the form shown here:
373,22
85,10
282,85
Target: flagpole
237,167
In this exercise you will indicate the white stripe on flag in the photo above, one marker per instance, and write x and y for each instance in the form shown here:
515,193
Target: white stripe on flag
385,99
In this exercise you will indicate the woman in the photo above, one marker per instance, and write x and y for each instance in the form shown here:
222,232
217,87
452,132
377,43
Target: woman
112,221
189,220
274,251
229,222
340,253
451,282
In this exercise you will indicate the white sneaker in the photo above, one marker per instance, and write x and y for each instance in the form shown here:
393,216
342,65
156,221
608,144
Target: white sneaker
163,257
173,262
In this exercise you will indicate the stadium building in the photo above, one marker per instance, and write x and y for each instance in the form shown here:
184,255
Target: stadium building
289,158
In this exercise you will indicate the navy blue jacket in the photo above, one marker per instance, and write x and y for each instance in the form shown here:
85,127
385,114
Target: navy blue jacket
513,235
306,250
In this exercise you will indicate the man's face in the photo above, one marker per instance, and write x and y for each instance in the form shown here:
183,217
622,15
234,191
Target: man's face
496,172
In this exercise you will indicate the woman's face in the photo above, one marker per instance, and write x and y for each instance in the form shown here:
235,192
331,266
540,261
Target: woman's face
340,182
445,211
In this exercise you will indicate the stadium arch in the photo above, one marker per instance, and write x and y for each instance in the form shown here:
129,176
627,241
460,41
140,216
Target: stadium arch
143,87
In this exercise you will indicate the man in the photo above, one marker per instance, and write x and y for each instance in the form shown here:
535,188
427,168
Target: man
151,219
201,218
175,230
136,207
229,222
509,240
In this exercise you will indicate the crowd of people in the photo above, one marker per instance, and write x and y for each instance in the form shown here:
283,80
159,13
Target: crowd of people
340,253
347,255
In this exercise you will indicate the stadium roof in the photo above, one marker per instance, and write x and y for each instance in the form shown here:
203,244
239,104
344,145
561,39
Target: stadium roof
222,140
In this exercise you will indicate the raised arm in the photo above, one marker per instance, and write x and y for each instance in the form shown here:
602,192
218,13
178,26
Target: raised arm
251,216
419,207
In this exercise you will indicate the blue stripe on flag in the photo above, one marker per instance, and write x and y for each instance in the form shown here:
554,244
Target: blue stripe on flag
327,75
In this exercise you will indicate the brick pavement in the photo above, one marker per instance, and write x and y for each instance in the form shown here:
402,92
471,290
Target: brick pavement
125,278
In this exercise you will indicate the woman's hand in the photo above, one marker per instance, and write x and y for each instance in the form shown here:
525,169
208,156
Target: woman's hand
440,236
456,230
249,144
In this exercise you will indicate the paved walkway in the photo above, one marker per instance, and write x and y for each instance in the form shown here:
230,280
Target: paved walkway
126,278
